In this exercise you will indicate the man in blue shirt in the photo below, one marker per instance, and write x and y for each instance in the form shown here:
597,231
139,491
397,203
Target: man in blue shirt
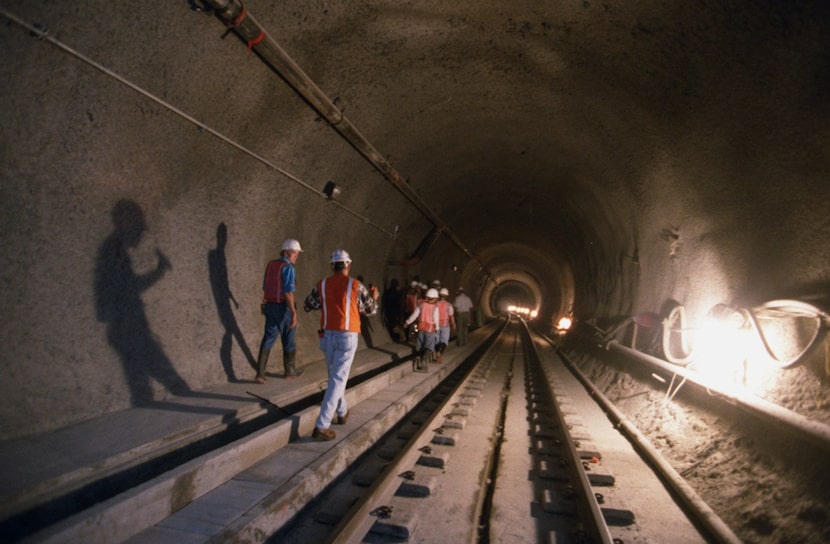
280,310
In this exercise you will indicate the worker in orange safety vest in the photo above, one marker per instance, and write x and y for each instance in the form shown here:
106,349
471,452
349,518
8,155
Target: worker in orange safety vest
427,315
342,300
446,322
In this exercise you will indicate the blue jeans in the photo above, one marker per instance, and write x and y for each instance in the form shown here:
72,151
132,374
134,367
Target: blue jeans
427,340
339,348
278,323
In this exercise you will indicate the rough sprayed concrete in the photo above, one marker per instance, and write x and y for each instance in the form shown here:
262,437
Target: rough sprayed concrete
609,156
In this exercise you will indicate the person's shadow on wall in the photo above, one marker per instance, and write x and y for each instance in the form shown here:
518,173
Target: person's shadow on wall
222,295
118,301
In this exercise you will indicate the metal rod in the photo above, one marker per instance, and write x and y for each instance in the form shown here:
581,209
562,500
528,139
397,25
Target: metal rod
704,513
43,34
818,433
235,15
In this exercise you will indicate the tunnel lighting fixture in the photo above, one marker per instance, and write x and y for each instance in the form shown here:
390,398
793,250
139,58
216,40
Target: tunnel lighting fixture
742,348
720,348
564,324
331,190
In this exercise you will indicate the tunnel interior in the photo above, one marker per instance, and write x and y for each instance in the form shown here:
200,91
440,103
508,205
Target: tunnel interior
583,159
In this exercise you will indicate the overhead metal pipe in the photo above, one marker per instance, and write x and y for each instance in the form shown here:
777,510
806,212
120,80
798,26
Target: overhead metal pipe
236,17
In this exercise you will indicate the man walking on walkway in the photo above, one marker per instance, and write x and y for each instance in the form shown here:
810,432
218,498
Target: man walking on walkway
446,322
342,300
463,306
280,310
426,313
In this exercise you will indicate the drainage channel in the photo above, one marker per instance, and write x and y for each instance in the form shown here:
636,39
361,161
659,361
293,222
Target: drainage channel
381,498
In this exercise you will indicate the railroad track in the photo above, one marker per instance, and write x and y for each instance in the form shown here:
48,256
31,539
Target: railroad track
502,446
497,453
761,465
404,487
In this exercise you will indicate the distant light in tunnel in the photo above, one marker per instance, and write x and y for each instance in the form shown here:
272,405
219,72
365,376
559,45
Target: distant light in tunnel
564,323
521,310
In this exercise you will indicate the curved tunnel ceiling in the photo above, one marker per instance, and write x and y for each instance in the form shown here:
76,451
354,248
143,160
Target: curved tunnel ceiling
528,127
542,126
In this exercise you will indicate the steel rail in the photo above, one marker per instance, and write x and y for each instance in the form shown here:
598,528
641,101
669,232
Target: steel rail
596,526
358,521
703,514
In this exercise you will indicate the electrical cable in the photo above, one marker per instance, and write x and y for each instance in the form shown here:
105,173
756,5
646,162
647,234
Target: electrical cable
775,308
43,34
789,308
678,312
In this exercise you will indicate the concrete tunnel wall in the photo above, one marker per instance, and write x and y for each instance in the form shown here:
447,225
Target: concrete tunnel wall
611,157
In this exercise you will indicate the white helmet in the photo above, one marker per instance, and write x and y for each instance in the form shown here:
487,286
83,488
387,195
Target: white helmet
432,293
414,284
444,292
291,245
340,256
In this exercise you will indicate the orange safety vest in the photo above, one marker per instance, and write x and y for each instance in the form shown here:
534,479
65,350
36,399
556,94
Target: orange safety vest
339,303
411,303
443,313
272,286
425,322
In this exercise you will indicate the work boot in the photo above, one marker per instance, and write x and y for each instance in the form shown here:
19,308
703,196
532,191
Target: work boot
291,371
341,420
262,363
323,434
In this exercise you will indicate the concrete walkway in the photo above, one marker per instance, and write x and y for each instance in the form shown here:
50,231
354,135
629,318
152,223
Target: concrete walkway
42,469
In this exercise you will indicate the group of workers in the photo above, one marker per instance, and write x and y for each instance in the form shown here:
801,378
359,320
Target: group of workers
436,317
342,301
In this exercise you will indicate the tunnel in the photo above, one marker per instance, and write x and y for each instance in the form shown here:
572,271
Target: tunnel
591,160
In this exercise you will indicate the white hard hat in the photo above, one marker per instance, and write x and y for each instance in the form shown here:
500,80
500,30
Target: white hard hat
291,245
432,293
423,286
444,292
414,284
340,256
